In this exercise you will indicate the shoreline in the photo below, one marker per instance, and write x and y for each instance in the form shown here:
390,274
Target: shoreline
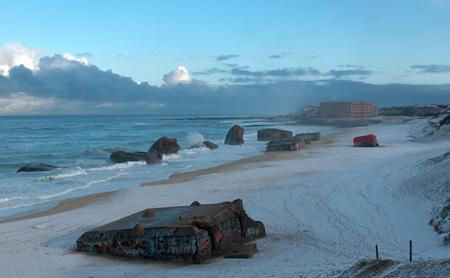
90,199
62,206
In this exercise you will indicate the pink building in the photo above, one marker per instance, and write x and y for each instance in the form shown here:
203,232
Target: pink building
347,109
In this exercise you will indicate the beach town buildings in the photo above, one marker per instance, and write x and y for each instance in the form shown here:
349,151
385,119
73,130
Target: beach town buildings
347,109
417,110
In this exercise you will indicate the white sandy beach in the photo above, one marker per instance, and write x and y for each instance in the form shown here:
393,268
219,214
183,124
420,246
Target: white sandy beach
324,208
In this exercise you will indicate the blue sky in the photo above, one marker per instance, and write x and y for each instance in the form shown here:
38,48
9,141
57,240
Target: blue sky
147,39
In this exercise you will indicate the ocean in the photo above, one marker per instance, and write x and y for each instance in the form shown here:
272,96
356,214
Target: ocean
81,146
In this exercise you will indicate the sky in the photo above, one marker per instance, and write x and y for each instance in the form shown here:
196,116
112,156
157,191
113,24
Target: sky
227,44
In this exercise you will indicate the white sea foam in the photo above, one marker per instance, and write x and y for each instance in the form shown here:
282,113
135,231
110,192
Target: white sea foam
69,190
194,138
171,156
195,150
78,172
119,166
17,206
9,199
140,124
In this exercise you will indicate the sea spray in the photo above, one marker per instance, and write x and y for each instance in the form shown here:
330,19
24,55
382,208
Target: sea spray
194,138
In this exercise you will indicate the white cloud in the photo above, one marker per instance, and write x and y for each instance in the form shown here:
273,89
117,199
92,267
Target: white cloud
17,54
80,59
178,75
64,62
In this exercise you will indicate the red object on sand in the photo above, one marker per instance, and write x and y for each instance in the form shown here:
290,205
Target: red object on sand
365,141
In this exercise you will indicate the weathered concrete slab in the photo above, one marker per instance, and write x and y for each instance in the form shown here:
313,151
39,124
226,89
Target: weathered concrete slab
245,251
268,134
291,144
313,136
188,233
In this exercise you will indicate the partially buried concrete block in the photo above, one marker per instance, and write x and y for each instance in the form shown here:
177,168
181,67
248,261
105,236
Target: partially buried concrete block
188,233
313,136
291,144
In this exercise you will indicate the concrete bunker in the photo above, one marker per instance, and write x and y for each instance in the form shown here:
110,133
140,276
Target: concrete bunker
186,233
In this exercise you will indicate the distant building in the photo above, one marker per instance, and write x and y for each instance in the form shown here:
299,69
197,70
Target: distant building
428,110
417,110
347,109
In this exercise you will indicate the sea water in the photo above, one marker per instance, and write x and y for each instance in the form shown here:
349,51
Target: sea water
81,146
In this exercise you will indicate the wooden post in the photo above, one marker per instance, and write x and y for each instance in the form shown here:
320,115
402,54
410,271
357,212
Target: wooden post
410,250
376,251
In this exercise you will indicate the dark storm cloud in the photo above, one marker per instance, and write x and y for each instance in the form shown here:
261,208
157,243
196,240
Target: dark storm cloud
277,73
353,66
87,89
348,72
432,68
278,55
275,56
210,71
221,58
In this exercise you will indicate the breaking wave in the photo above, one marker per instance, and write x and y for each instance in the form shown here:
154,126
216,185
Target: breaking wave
194,138
78,172
119,166
10,199
69,190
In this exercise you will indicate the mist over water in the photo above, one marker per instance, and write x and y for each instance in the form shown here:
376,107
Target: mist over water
81,146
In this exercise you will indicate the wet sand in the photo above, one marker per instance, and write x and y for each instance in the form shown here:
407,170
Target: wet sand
63,206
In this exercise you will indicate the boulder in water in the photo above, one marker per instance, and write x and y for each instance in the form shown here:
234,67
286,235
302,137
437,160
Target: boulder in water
165,145
122,156
210,145
235,136
268,134
31,167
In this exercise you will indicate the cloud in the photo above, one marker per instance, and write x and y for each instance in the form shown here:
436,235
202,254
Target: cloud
210,71
62,86
23,103
15,55
279,55
275,56
82,59
353,66
65,62
178,75
348,73
281,73
221,58
431,68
